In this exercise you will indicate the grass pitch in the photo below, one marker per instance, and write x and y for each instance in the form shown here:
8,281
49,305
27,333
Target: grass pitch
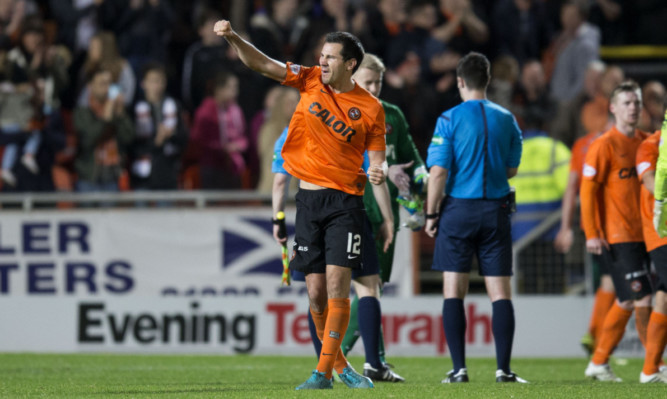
150,376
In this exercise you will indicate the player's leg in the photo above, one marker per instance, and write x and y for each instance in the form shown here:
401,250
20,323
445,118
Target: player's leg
604,299
495,264
453,252
343,235
656,335
308,258
630,277
455,287
352,334
370,316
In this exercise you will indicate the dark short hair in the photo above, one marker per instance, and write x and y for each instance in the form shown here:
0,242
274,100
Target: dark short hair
352,47
153,66
475,70
222,77
92,73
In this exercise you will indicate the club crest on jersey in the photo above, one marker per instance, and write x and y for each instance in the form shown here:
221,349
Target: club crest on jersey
354,113
388,128
295,69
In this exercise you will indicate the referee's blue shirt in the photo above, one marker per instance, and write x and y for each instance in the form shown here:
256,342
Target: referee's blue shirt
476,141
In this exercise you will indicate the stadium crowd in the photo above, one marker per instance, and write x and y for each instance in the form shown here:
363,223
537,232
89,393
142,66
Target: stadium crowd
141,94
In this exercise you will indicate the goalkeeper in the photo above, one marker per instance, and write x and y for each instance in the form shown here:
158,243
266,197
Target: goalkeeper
404,161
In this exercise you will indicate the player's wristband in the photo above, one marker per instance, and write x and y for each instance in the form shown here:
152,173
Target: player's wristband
431,216
275,221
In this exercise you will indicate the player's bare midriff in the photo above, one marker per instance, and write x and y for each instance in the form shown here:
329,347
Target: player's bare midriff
310,186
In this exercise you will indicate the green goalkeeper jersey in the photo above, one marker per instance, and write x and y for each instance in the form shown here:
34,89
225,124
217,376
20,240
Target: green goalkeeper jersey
661,167
400,149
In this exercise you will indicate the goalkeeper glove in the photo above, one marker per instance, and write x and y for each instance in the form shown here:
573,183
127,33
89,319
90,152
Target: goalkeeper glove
420,180
660,218
415,207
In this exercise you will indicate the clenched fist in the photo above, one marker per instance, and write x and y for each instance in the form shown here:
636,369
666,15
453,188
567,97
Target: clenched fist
222,28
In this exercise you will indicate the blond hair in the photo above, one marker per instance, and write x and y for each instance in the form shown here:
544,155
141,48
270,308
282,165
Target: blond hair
373,62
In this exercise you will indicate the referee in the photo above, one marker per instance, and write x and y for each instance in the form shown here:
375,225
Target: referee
476,148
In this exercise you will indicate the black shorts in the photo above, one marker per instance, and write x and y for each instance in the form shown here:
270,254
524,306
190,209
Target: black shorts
370,264
659,258
329,230
470,227
628,268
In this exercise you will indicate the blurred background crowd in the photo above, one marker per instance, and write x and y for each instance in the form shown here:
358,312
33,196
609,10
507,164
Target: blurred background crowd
109,95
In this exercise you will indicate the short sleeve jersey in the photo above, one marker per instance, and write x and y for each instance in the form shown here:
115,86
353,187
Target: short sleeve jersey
476,141
329,132
610,162
647,157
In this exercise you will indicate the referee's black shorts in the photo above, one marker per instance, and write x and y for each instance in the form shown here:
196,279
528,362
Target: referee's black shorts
329,230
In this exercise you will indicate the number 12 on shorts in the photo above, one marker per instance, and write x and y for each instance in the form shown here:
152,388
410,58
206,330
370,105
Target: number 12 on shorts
353,243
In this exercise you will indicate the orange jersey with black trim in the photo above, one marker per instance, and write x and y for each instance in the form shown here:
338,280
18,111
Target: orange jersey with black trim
610,162
647,158
329,132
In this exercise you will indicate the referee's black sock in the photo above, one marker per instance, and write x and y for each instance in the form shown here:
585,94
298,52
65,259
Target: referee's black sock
454,323
370,319
503,332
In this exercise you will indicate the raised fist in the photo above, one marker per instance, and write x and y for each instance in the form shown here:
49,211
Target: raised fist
222,28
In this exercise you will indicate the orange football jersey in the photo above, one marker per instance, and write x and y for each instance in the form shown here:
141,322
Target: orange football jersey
329,132
610,162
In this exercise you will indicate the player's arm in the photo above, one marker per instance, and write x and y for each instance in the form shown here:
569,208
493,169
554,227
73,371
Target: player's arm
381,193
589,212
434,196
565,236
278,195
249,54
378,164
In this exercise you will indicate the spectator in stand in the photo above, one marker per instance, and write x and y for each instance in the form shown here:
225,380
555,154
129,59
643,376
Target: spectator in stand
102,50
202,60
161,136
653,95
11,15
104,133
78,21
276,28
384,23
567,126
522,29
504,77
219,136
417,40
575,47
328,16
462,25
252,154
279,117
533,98
595,112
142,28
37,74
